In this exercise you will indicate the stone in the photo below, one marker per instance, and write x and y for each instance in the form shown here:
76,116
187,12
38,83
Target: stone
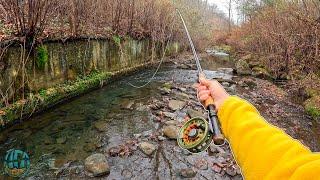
226,84
182,96
89,147
137,135
161,138
231,171
216,149
147,133
127,104
172,123
242,67
147,148
169,115
188,173
193,113
97,164
216,168
167,85
62,140
101,126
261,73
201,164
175,104
171,132
226,70
165,91
47,140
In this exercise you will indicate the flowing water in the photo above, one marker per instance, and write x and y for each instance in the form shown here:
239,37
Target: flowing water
68,132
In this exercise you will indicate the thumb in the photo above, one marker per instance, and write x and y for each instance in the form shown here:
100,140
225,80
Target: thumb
204,81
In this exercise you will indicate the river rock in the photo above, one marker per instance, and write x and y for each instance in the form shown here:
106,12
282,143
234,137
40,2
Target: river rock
147,148
188,173
147,133
90,147
127,104
101,126
62,140
171,132
193,113
182,96
231,171
97,164
169,115
175,104
165,91
161,138
243,68
226,70
171,123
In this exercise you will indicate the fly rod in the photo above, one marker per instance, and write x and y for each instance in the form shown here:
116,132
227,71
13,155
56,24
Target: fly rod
197,133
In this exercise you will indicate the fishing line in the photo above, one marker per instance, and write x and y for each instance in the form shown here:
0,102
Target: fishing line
159,65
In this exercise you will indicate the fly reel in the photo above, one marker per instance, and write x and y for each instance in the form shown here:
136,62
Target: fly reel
195,135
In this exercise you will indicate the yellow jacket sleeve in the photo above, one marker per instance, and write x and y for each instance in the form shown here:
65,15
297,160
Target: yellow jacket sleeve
264,151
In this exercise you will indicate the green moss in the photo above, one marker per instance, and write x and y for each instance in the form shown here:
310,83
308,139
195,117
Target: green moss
41,57
312,92
47,97
224,48
117,40
312,106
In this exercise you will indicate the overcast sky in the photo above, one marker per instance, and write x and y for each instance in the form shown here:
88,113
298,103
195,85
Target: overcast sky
223,6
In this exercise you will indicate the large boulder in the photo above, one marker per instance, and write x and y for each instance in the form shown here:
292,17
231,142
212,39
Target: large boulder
242,67
97,164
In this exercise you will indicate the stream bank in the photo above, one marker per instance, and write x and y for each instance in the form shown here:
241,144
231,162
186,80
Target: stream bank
55,71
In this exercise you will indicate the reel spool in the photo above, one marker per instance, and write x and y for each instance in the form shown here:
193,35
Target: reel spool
195,135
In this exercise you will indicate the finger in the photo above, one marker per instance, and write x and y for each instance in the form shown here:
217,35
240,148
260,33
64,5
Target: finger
201,93
203,97
204,81
201,88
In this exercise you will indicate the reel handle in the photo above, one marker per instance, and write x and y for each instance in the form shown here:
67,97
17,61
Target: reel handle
218,138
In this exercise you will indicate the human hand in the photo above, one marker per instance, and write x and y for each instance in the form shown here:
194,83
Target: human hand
211,88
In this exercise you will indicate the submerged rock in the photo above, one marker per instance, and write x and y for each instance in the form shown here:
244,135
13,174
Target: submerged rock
62,140
90,147
171,132
175,104
97,164
101,126
147,148
188,173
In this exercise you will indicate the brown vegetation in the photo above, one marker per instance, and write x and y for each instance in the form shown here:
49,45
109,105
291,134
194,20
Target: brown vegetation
154,19
285,35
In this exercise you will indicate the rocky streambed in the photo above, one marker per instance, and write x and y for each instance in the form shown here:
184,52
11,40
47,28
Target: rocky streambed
121,132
